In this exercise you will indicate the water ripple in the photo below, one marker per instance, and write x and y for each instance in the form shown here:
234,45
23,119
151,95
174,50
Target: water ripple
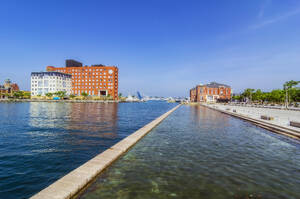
41,142
200,153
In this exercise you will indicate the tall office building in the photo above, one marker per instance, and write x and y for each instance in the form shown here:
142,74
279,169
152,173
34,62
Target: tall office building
95,80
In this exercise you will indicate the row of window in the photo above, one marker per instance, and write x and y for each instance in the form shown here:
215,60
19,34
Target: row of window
49,77
97,73
96,80
92,87
51,81
82,69
92,84
210,91
51,84
90,92
46,90
93,77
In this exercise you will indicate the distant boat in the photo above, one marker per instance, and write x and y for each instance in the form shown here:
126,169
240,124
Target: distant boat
171,100
141,98
132,99
139,95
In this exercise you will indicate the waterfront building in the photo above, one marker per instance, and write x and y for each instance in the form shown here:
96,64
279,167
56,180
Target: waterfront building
8,88
211,92
50,82
95,80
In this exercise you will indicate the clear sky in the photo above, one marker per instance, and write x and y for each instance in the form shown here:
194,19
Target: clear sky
162,47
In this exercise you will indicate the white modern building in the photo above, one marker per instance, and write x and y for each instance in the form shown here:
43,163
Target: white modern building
50,82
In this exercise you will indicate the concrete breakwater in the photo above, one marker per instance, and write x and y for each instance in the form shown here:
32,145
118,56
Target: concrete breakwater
276,126
72,183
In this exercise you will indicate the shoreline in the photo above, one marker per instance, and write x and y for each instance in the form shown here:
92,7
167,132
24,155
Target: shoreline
77,180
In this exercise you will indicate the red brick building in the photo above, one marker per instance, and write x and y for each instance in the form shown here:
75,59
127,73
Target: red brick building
95,80
8,88
211,92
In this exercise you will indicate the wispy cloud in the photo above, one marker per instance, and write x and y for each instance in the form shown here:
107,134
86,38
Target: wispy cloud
263,7
275,19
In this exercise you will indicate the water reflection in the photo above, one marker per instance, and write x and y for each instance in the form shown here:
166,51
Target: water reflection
41,142
95,118
48,115
203,117
90,119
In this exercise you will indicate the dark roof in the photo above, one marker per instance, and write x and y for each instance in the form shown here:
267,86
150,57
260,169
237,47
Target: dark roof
73,63
216,85
52,73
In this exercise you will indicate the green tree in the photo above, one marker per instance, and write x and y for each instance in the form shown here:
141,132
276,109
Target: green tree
287,86
248,93
27,95
84,94
257,95
18,94
49,94
276,95
60,94
72,96
237,97
265,97
6,95
295,94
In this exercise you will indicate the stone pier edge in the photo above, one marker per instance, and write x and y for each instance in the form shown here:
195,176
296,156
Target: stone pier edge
72,183
271,127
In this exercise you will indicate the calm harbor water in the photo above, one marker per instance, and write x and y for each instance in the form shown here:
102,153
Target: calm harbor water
40,142
200,153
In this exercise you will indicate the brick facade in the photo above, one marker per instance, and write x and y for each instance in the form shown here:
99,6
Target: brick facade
95,80
211,92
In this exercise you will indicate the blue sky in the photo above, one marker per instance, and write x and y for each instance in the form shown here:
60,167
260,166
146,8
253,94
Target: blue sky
162,47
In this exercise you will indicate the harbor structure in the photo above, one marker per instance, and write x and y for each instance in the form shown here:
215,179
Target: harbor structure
50,82
94,80
8,88
211,93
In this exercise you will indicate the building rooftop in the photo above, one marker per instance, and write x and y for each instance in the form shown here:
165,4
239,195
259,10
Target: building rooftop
51,73
216,85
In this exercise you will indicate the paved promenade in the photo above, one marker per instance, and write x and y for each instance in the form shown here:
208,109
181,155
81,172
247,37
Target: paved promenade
281,117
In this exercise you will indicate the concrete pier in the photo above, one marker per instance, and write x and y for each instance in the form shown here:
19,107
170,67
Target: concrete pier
72,183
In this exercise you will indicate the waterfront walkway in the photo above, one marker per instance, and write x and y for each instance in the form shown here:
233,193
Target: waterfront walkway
281,117
198,152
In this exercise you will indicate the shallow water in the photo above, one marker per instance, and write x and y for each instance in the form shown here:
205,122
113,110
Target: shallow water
201,153
41,142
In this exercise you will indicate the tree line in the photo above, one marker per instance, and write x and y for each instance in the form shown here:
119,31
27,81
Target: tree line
16,95
290,93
